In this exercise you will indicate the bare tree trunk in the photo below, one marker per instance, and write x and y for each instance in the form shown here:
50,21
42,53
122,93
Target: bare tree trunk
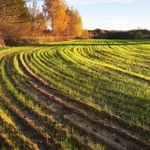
1,41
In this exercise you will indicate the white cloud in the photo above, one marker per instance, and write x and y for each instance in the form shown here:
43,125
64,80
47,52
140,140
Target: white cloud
87,2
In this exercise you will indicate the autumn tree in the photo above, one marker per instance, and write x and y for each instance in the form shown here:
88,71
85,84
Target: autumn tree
38,21
56,15
74,23
85,34
63,20
14,18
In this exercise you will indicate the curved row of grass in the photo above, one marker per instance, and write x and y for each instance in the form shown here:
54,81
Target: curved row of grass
113,76
14,95
80,72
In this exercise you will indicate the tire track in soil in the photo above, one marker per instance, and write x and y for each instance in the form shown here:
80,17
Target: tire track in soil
71,81
115,105
36,118
121,140
105,114
27,125
12,137
5,142
26,122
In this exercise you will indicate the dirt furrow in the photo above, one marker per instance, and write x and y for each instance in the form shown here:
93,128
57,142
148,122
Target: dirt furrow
47,124
59,98
61,109
24,119
79,104
5,143
40,119
28,127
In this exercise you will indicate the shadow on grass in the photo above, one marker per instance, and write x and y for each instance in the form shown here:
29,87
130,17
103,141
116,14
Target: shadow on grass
94,43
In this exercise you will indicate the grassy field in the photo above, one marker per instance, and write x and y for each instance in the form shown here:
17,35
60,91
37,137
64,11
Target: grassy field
82,94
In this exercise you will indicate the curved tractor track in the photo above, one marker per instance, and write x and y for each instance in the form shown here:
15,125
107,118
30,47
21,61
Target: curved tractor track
42,116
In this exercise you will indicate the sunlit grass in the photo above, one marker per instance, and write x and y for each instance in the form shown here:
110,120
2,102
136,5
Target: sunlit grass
110,75
115,79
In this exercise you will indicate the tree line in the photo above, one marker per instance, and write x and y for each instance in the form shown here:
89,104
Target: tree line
115,34
62,19
24,18
19,18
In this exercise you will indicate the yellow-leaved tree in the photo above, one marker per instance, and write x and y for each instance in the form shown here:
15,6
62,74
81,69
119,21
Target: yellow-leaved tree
62,19
74,23
56,15
79,28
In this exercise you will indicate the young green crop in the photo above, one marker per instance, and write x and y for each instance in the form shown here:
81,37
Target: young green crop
109,75
114,78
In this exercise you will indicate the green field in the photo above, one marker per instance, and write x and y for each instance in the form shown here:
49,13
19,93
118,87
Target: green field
63,95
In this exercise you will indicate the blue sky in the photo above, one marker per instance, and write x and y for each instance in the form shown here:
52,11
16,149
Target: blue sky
113,14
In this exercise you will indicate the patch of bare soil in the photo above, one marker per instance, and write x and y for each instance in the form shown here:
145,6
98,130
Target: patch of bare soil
27,123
